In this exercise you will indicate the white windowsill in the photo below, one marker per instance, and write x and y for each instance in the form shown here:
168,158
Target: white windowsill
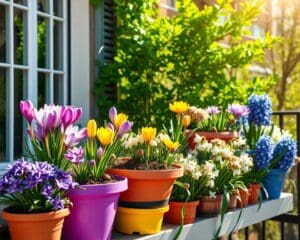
206,227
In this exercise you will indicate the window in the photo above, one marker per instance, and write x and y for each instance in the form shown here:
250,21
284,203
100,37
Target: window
171,3
33,64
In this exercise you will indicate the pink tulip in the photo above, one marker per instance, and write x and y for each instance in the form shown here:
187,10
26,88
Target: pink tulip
73,136
48,117
69,115
27,110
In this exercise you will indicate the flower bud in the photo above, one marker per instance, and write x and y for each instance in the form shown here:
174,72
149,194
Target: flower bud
140,153
186,121
92,163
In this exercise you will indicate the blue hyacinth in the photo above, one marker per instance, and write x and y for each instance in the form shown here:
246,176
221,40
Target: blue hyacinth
288,145
260,109
263,152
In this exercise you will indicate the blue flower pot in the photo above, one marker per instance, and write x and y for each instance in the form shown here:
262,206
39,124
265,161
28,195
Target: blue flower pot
273,183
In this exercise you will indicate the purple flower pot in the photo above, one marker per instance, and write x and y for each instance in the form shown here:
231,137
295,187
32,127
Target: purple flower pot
93,212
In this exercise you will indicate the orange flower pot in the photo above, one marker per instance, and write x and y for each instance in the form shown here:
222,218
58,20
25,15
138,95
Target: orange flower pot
147,188
232,201
244,198
173,216
254,190
210,206
36,226
225,136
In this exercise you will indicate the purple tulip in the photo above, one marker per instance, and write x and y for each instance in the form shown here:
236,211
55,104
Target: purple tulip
124,128
69,115
73,136
27,110
212,110
238,110
112,114
99,152
75,155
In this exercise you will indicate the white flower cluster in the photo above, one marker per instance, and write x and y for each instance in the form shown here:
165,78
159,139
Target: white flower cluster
277,133
191,167
130,141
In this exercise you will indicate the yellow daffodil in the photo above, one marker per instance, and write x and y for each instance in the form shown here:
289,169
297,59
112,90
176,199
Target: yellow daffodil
148,134
179,107
186,121
172,146
120,119
91,128
105,135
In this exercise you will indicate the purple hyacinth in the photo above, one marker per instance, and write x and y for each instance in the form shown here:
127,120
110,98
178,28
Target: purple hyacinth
263,152
36,185
260,110
288,146
212,110
238,110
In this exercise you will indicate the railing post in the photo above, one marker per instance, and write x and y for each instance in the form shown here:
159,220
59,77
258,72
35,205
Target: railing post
298,169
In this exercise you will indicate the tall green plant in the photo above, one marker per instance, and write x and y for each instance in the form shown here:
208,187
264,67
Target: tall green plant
194,56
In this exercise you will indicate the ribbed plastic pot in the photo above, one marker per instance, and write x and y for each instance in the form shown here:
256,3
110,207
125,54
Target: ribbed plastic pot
232,200
147,188
139,221
210,206
225,136
173,216
273,183
94,210
36,226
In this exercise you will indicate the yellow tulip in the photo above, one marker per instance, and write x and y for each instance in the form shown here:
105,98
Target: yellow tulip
105,135
91,128
148,134
186,121
179,107
120,119
172,146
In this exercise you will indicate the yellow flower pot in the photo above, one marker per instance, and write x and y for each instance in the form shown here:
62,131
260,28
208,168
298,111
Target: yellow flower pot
139,221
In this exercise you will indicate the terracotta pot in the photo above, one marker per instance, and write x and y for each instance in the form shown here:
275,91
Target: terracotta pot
225,136
244,197
147,188
173,216
232,200
36,226
254,190
210,206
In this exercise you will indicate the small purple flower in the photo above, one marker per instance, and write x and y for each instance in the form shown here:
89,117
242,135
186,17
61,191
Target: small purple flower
124,128
111,126
47,190
57,203
112,114
99,152
73,136
27,110
69,115
238,110
212,110
75,155
92,163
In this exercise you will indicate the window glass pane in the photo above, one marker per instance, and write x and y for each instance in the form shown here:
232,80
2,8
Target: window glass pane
22,2
58,8
3,23
2,113
58,89
20,22
58,45
43,43
43,6
18,128
43,94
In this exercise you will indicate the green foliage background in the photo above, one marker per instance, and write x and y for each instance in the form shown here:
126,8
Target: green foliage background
197,56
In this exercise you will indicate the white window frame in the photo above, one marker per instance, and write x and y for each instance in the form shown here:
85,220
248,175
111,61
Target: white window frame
30,79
